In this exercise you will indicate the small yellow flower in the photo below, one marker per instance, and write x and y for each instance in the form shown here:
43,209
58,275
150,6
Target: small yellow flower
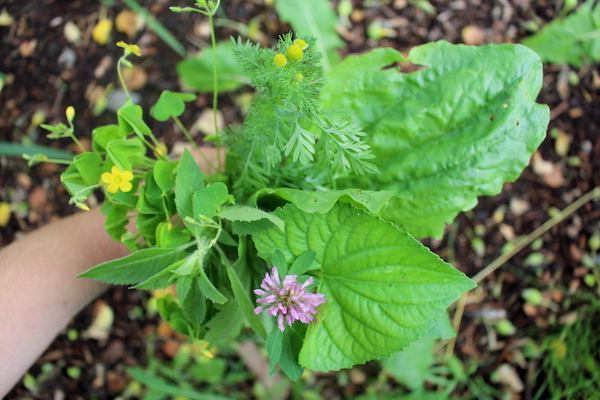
118,179
70,113
298,77
280,60
303,45
130,48
294,52
101,31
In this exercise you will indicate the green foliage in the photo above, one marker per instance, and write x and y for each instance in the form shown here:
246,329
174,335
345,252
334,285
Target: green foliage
171,104
294,192
197,72
314,18
446,134
384,289
573,40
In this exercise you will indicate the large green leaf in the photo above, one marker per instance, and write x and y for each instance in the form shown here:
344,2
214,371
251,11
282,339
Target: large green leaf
574,39
314,18
446,134
197,72
384,289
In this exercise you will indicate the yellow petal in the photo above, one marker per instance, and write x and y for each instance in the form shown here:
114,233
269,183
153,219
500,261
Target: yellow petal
115,170
107,177
113,188
127,176
125,186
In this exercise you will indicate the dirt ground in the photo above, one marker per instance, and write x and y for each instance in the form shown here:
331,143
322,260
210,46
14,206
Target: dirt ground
51,62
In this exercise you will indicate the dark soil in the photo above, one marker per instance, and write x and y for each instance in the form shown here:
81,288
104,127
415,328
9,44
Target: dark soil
32,54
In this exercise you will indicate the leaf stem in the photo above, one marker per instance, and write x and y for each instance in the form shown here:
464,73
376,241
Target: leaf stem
121,79
213,41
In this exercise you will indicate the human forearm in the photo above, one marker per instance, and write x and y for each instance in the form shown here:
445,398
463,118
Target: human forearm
39,291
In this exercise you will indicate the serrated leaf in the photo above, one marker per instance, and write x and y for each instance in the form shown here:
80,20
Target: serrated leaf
171,104
446,134
314,18
135,268
322,201
384,289
249,214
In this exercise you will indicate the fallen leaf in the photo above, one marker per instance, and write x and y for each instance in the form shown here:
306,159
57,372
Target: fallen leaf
72,32
4,213
473,35
129,23
519,206
103,321
5,18
206,122
27,48
101,32
562,144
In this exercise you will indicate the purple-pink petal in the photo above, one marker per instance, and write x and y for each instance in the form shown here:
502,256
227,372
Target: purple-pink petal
287,299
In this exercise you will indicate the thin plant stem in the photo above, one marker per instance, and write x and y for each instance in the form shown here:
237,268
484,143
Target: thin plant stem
193,143
215,86
119,63
519,245
545,227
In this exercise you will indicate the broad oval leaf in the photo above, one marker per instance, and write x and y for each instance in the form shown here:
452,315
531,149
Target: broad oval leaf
384,289
446,134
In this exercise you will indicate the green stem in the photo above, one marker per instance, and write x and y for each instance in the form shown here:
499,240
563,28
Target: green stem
77,142
215,85
121,76
56,161
193,143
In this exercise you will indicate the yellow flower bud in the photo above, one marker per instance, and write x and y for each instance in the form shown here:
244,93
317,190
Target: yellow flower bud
294,52
303,45
298,77
70,113
280,60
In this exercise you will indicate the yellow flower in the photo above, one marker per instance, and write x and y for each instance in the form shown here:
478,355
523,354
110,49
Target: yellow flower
303,45
280,60
118,179
298,77
130,48
294,52
101,31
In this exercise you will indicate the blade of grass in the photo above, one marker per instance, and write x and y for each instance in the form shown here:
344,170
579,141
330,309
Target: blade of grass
18,149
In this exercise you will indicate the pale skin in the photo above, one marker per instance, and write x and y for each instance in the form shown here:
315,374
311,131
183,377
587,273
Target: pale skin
39,290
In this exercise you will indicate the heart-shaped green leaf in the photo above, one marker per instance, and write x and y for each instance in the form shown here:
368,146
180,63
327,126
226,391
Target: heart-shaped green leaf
171,104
